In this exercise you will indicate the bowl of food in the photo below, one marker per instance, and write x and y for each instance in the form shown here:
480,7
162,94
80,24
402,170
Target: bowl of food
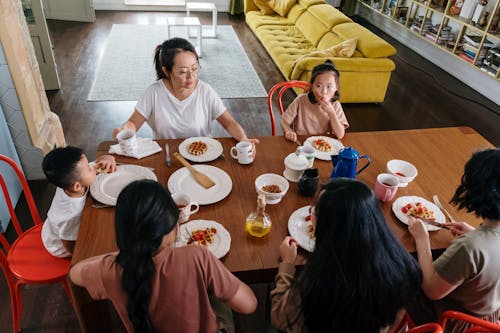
273,186
403,170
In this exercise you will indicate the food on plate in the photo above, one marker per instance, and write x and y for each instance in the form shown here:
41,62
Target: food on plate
311,230
197,148
273,188
418,210
322,145
203,237
100,170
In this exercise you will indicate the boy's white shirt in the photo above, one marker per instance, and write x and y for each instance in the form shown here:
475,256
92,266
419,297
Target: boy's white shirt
63,222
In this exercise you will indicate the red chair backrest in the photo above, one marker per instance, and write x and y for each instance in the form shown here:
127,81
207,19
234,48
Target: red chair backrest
429,327
8,201
281,88
478,324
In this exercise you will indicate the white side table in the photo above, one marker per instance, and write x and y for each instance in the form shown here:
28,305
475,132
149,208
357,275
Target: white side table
207,31
189,22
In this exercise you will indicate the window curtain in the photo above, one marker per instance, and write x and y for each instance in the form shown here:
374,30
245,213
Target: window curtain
235,7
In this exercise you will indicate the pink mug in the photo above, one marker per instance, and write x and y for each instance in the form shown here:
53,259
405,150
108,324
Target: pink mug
386,186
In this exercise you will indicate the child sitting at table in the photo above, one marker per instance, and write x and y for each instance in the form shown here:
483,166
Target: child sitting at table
69,170
358,278
465,277
153,285
317,111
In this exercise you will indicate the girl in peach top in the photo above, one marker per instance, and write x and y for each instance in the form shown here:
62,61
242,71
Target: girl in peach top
318,111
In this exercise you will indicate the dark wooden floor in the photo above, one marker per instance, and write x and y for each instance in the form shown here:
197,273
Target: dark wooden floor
420,95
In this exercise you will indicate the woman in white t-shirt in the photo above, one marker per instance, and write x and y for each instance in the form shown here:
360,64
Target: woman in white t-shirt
178,104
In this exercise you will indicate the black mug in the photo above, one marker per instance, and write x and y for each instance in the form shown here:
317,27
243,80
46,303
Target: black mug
308,182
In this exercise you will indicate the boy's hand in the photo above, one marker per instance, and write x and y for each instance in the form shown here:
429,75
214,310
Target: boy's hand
291,136
106,163
288,250
459,228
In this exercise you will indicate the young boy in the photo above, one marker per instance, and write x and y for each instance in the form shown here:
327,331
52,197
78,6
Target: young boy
69,170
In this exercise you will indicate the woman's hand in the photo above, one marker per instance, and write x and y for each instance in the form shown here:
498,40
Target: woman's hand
288,250
291,136
116,131
106,162
417,229
254,143
459,228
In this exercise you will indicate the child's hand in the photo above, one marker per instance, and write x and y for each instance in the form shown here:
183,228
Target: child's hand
459,228
417,229
291,136
327,106
107,163
288,250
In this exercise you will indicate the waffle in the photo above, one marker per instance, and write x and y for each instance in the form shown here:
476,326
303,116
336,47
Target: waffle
322,145
203,237
311,230
419,210
197,148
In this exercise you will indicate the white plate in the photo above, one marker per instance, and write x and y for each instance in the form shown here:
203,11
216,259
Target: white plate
400,202
222,239
322,155
108,185
298,228
183,181
214,149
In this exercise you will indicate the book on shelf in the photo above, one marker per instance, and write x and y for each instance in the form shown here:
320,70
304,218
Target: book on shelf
469,59
489,70
475,40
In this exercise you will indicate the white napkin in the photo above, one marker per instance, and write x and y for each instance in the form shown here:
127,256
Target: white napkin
145,147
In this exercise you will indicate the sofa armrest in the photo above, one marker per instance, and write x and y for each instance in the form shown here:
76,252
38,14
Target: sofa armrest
344,65
249,5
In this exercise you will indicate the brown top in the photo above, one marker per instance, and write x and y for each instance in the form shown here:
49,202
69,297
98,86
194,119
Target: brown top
183,280
309,119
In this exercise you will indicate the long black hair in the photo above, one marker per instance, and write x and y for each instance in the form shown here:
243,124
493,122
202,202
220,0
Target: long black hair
359,275
326,67
145,212
479,190
165,54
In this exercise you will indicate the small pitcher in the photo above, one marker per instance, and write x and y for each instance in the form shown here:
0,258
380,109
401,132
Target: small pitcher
308,182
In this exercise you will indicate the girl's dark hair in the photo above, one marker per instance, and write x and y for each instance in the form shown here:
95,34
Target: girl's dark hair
325,67
145,212
165,54
479,190
359,275
59,166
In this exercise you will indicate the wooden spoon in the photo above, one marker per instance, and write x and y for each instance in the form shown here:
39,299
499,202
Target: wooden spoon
201,178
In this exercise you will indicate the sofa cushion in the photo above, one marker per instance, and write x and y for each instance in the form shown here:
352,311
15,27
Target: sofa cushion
328,15
256,19
343,49
282,7
311,27
371,45
264,6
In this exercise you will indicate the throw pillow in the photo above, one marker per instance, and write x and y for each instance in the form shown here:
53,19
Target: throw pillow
282,7
344,49
264,6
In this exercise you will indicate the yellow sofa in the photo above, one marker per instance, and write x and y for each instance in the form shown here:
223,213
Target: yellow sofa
313,25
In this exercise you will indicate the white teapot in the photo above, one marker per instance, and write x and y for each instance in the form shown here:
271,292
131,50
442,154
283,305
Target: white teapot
295,164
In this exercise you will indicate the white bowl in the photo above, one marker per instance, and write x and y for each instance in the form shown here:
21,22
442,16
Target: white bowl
403,170
270,179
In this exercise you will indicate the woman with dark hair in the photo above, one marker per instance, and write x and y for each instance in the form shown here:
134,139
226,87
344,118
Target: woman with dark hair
319,110
466,276
155,287
178,104
358,278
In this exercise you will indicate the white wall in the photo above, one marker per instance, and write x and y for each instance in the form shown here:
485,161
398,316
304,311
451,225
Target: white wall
222,6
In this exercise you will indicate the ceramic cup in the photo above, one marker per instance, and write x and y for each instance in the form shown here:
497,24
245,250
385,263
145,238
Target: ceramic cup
243,152
186,206
128,142
386,186
308,152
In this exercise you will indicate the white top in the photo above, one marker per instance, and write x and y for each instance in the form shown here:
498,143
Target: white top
171,118
63,222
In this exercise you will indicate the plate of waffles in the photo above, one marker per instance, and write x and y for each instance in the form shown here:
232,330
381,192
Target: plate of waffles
324,146
206,233
107,186
301,228
417,206
200,149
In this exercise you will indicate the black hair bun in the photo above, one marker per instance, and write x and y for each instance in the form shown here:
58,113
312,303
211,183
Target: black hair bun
329,62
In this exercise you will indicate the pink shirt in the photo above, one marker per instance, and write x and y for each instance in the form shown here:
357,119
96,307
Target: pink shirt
184,279
309,119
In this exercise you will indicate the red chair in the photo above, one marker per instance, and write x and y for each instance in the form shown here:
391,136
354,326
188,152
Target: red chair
429,327
281,88
478,325
26,261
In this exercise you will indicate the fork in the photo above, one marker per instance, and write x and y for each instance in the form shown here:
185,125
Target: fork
438,203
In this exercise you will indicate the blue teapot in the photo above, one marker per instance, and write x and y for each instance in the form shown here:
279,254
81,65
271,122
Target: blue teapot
345,163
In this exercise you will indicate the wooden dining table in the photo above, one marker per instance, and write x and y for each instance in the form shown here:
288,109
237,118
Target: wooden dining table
439,155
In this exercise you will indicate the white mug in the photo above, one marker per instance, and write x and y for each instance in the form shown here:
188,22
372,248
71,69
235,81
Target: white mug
308,152
128,142
243,152
186,206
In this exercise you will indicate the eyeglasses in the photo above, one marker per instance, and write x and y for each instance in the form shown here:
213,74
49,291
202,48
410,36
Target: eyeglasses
185,71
